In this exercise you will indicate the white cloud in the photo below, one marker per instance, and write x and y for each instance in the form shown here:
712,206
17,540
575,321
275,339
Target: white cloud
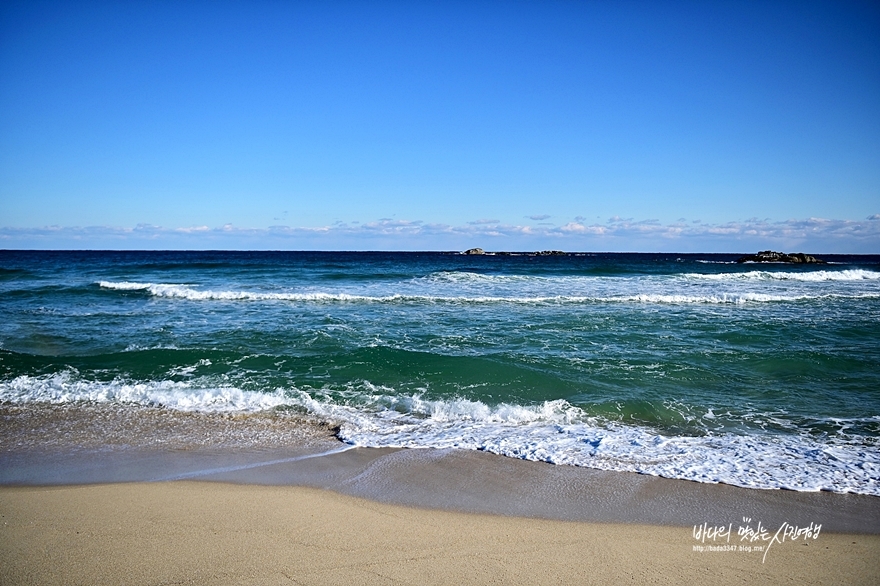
573,227
810,234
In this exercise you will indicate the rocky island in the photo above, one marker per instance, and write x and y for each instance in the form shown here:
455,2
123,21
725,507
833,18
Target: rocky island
480,251
772,256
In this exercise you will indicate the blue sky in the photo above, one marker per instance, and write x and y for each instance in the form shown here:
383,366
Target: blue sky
630,126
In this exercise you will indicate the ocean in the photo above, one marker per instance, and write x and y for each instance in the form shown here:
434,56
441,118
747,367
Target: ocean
686,366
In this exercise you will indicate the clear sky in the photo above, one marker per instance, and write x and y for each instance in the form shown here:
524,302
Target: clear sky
604,125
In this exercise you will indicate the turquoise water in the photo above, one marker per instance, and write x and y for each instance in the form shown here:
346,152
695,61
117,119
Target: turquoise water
685,366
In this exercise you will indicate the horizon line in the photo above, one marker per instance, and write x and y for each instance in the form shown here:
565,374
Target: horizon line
426,251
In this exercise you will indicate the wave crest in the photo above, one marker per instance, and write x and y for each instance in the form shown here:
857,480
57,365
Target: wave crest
805,276
176,291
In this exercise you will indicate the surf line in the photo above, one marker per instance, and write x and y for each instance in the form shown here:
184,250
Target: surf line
209,471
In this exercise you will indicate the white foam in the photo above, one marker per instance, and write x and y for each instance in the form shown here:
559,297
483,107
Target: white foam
191,369
736,298
559,433
186,292
805,276
723,298
482,278
67,387
553,431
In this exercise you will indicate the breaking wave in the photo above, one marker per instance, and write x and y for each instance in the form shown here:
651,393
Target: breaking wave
553,431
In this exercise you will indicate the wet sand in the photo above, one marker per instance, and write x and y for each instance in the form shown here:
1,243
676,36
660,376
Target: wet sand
270,506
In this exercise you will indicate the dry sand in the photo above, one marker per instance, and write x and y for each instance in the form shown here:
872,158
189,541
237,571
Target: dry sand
217,533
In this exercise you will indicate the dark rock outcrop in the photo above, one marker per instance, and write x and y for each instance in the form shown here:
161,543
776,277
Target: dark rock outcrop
772,256
550,253
473,251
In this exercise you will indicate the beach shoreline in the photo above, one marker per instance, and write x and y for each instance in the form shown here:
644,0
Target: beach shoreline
303,507
87,444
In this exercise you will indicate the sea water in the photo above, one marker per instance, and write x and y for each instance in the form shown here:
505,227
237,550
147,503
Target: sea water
683,366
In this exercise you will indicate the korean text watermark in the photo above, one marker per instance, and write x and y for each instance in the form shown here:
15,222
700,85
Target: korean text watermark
748,538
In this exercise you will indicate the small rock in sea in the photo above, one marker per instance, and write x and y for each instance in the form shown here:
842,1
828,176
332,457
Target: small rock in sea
473,251
550,253
772,256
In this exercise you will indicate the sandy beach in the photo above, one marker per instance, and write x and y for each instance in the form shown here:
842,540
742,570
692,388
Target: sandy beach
316,511
217,533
